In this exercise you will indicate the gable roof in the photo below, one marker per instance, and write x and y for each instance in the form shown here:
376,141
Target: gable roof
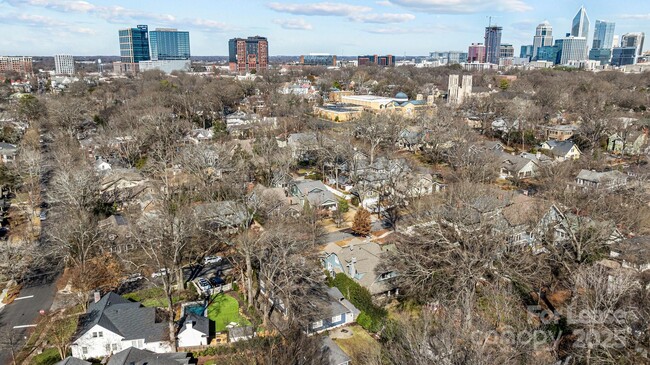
600,177
314,191
72,361
134,356
199,323
128,319
334,353
560,148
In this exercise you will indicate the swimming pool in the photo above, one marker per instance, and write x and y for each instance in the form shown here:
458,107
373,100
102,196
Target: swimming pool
195,309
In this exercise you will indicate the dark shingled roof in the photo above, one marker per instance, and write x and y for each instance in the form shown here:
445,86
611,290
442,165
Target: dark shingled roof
128,319
335,355
134,356
199,323
72,361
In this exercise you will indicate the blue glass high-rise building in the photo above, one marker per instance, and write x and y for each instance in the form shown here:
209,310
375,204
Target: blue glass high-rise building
169,44
603,35
134,44
492,44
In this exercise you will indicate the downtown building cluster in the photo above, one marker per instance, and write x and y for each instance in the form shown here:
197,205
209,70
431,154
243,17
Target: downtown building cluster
164,49
574,48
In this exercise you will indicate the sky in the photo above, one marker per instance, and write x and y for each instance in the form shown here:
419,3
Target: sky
296,27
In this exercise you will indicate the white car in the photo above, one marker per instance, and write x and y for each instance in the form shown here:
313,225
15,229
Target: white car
203,284
212,260
159,273
132,278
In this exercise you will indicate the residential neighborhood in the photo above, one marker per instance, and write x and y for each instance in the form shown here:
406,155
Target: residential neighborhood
175,209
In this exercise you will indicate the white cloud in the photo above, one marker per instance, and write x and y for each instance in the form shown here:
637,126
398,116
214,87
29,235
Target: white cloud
384,3
463,6
409,30
635,16
119,14
293,24
42,22
382,18
325,9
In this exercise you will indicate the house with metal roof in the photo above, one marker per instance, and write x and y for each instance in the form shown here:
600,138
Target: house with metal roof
113,323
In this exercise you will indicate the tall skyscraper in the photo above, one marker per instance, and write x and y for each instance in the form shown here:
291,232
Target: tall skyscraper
476,53
580,26
250,54
601,46
134,44
633,40
492,44
169,44
543,37
603,34
64,64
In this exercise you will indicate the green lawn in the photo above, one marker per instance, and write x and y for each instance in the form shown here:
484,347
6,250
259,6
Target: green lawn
223,310
152,297
48,357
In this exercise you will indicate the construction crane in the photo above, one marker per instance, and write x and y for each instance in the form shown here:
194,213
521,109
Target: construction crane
490,19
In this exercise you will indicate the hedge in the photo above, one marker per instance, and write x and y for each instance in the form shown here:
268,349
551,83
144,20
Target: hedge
371,317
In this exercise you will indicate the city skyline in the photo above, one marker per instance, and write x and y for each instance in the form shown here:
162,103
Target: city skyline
87,28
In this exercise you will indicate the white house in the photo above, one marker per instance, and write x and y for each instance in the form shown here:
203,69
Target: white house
194,331
113,324
562,150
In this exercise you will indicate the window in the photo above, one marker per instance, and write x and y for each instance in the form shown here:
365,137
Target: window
317,324
336,319
100,333
114,347
94,334
84,350
108,347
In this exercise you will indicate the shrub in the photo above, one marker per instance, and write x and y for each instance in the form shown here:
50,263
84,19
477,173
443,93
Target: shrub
371,317
47,357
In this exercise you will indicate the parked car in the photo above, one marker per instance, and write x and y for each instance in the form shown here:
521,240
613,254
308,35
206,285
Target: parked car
132,278
217,281
203,284
212,260
159,273
43,215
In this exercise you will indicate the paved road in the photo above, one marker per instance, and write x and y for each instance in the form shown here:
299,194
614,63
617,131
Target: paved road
15,318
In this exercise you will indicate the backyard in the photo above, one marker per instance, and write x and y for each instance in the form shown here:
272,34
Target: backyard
223,310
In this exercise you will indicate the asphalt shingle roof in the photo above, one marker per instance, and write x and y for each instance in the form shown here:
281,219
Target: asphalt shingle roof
134,356
128,319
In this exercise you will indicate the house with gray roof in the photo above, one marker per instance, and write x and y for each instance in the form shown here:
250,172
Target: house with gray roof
359,260
135,356
334,311
562,150
194,330
113,323
313,192
8,152
72,361
335,355
609,180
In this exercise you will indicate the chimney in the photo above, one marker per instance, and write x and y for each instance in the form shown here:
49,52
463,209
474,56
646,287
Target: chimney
353,269
538,155
189,325
97,296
